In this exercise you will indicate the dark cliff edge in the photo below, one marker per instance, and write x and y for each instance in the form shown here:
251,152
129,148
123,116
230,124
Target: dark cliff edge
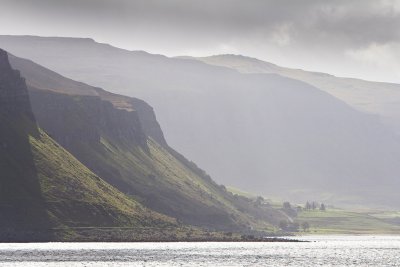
85,119
21,198
145,113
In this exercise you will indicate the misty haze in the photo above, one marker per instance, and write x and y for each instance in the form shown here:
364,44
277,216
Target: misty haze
260,125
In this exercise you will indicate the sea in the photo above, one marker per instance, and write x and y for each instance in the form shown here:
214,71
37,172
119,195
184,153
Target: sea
319,251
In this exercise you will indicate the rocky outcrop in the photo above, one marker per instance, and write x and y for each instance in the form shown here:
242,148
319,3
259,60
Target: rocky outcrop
85,120
149,122
125,117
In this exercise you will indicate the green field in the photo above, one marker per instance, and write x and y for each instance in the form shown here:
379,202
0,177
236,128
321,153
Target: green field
360,221
338,221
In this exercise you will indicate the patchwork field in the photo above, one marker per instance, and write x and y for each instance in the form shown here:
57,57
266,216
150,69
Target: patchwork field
338,221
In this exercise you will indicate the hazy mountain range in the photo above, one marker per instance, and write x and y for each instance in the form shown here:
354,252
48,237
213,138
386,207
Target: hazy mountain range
273,131
378,98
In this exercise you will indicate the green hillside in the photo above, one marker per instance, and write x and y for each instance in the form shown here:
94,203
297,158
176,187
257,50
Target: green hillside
70,193
120,140
43,187
155,175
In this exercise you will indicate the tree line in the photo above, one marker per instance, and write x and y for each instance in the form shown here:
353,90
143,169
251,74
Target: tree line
314,206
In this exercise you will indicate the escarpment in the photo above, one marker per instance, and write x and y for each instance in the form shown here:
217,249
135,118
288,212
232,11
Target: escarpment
85,119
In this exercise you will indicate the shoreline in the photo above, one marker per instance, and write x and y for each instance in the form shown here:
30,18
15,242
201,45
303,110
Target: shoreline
257,240
183,234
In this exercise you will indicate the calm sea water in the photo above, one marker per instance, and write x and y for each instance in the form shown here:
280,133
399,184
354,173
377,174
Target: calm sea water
323,251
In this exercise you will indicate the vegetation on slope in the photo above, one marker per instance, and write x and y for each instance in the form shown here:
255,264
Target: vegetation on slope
119,139
69,192
154,174
77,197
43,186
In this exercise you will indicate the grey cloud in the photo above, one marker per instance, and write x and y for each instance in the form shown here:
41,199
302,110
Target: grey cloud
359,21
288,29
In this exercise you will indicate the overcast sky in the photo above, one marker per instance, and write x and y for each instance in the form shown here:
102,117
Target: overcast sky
354,38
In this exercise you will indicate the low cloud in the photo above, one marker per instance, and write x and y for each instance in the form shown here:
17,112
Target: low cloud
283,31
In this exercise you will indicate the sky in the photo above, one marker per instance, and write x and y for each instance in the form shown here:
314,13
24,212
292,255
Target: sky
350,38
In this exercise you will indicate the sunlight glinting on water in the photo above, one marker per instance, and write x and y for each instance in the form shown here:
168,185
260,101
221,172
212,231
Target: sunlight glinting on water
322,251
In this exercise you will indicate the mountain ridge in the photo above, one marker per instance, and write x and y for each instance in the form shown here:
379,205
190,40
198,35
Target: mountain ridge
373,97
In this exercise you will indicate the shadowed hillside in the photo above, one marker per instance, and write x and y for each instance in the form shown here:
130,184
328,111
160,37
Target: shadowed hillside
378,98
43,186
20,192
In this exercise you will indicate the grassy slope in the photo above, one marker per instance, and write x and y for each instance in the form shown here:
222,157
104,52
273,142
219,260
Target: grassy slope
160,178
77,197
20,195
50,188
56,198
165,184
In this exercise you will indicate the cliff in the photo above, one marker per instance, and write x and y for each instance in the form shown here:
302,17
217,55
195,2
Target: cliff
85,119
120,140
126,110
43,187
109,142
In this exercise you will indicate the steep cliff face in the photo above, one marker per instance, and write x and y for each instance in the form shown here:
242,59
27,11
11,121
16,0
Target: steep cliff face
85,125
43,186
149,122
43,79
109,141
85,119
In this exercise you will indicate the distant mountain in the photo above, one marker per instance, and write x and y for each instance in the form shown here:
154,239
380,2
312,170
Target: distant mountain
119,139
261,132
378,98
42,186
